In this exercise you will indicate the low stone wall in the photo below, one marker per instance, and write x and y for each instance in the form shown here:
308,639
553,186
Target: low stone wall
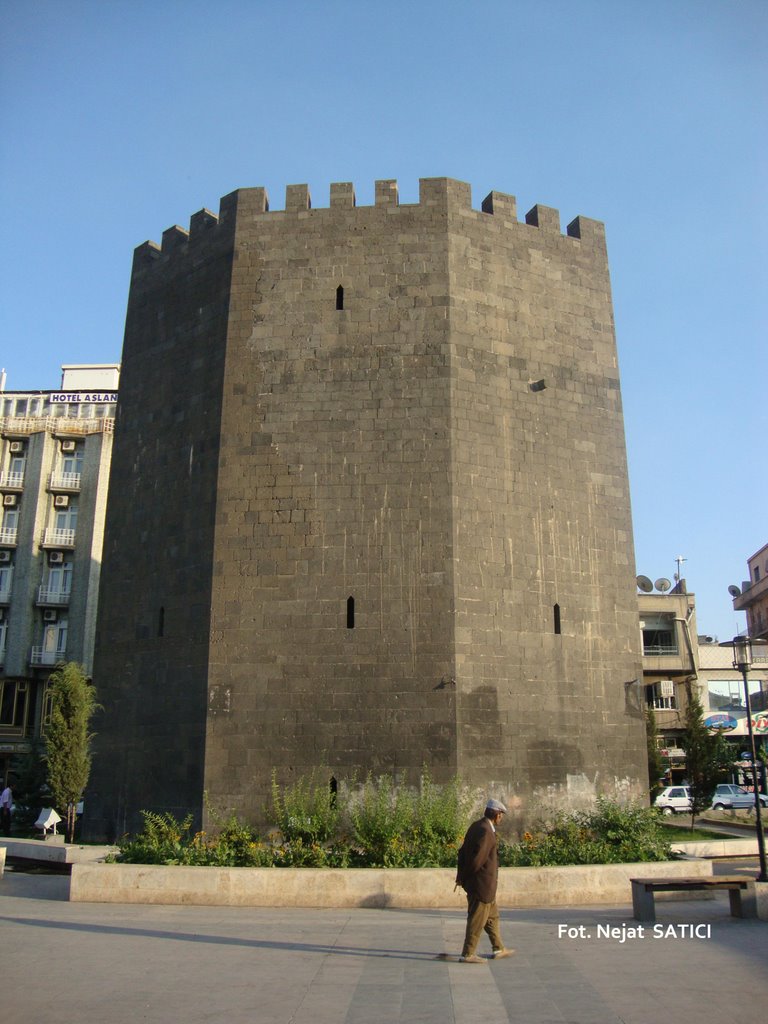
359,887
54,851
718,848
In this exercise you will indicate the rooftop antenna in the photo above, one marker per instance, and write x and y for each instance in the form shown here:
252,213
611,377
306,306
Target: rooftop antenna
2,379
679,573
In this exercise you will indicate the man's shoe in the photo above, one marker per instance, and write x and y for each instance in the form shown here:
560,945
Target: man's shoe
499,954
473,959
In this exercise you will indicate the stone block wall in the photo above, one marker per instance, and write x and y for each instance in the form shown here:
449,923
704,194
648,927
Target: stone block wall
390,519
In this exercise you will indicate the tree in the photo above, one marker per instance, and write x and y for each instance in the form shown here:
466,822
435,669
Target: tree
67,740
706,756
655,760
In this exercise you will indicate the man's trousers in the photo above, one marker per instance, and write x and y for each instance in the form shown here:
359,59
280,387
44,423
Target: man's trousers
481,917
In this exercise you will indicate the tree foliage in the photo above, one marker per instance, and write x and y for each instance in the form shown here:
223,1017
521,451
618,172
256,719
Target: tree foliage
67,739
706,757
655,760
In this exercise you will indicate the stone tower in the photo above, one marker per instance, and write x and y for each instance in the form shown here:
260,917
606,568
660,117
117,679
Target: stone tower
369,508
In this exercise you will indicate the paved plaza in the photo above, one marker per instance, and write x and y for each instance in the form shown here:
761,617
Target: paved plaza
96,963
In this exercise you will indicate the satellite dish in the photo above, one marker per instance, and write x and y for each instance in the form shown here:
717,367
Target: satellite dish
644,584
734,591
662,584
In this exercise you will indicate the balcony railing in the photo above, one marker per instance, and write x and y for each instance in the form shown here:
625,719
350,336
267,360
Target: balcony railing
59,538
12,481
40,656
52,596
659,650
8,536
35,424
663,703
64,482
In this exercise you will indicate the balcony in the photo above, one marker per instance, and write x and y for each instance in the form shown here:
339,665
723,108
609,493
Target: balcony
41,656
64,483
12,481
52,597
8,535
57,539
660,650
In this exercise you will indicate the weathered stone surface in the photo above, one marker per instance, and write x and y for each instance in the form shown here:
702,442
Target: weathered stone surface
361,887
379,515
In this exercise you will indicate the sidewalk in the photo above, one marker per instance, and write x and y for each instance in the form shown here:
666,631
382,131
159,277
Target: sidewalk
127,964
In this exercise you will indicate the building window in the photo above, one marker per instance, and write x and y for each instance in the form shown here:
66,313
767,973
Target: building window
13,704
659,635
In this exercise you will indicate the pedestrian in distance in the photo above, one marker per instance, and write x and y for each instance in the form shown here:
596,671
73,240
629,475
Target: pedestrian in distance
6,805
478,876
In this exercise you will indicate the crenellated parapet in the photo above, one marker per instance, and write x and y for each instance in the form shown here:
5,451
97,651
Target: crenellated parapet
435,195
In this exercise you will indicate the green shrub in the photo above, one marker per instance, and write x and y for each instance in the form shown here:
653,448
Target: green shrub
608,834
307,811
164,840
383,825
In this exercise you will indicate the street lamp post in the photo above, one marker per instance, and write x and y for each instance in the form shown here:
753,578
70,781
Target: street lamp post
742,661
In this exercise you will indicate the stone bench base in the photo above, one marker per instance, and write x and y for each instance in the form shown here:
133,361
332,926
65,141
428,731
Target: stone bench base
741,892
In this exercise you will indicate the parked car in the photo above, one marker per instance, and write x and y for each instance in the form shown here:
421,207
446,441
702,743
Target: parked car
674,800
730,797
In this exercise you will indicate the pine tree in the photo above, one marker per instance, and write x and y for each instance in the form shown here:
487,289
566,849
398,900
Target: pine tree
67,740
705,757
655,760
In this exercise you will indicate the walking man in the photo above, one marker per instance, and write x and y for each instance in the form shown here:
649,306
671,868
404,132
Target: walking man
6,805
478,875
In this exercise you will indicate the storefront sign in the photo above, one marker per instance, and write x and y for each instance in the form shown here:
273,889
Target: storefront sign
80,397
724,723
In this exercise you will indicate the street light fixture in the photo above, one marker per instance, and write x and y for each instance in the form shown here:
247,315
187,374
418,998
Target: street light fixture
742,662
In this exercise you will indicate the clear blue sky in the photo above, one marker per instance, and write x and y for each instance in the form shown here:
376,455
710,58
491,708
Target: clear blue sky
119,119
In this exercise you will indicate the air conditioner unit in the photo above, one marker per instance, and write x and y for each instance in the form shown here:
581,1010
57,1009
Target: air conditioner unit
16,447
50,615
61,501
9,500
5,556
68,446
55,557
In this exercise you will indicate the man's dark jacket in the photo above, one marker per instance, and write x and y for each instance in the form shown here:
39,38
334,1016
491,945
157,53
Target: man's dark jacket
478,870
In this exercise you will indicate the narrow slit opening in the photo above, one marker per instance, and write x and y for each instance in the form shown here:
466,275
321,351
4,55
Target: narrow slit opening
340,298
556,611
350,613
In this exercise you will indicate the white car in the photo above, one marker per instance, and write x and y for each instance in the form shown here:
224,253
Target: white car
728,796
674,800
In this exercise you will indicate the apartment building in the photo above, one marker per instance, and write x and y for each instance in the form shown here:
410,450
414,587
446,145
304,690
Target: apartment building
753,598
55,450
678,662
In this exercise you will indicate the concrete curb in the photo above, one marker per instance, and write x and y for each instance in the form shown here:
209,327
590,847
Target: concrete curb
402,888
718,848
52,852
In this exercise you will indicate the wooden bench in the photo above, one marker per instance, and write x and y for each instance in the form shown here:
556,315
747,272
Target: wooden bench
741,892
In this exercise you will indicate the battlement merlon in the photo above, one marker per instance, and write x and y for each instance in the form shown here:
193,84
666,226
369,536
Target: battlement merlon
438,193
